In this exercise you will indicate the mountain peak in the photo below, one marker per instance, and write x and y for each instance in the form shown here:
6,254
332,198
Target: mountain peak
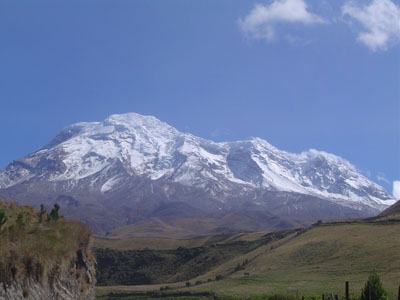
133,119
145,147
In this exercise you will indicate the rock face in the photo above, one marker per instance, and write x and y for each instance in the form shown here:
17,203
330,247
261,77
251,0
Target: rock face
62,287
66,285
119,171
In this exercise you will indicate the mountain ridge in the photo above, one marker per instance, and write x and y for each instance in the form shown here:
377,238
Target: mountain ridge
133,160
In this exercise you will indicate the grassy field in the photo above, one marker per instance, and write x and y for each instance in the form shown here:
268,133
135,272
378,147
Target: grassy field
318,260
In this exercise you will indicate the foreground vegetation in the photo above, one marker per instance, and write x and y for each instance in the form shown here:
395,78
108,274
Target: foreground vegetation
39,245
373,290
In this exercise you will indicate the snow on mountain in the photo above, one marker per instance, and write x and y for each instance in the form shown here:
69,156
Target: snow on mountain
149,148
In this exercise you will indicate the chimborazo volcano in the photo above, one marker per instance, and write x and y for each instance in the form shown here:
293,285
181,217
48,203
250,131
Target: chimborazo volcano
131,169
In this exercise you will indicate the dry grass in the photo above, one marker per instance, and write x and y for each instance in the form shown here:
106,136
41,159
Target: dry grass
39,250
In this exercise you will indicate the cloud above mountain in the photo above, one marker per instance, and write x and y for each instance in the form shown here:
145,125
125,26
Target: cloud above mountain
377,23
262,20
380,21
381,177
396,189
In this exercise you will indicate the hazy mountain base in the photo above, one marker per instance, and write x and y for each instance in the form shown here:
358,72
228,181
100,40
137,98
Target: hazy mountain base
317,261
147,208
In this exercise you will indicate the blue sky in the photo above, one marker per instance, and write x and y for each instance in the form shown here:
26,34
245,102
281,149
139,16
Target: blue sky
299,73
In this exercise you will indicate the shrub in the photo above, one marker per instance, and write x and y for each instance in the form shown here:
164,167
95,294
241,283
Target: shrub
219,277
239,267
3,219
54,212
41,213
20,220
188,284
375,289
319,222
198,282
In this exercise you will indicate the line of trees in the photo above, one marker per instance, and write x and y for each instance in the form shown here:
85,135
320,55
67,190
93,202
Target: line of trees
54,215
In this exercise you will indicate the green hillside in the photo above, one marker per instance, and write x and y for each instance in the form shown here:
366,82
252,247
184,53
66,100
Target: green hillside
310,262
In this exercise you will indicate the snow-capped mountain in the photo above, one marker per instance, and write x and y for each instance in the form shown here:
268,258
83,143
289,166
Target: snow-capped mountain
127,154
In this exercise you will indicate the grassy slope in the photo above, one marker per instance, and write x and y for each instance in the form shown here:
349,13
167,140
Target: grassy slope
38,249
316,261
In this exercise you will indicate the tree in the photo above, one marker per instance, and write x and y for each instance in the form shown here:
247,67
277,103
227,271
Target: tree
3,218
239,267
54,212
20,220
373,289
41,213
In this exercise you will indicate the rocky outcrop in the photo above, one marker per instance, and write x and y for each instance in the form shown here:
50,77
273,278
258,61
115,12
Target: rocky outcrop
44,256
75,283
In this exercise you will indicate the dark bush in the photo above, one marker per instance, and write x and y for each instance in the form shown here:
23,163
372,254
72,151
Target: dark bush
219,277
375,289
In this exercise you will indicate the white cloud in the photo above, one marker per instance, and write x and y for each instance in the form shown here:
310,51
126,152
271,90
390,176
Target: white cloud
296,41
221,134
380,19
396,189
260,23
381,177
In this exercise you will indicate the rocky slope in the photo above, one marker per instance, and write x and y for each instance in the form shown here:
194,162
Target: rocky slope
124,168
